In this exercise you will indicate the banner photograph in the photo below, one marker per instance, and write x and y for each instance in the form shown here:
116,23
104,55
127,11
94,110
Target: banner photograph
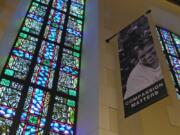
141,77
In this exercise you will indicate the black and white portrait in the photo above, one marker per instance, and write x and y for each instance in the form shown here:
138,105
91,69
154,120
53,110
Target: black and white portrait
139,64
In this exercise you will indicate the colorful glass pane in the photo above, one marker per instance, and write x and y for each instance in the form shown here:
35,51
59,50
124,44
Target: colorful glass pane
53,34
56,19
5,124
35,17
27,43
63,116
72,41
22,54
78,1
43,76
70,58
17,67
48,54
60,5
74,26
68,91
67,80
38,10
168,42
37,102
43,1
10,93
69,71
32,26
77,9
33,118
61,129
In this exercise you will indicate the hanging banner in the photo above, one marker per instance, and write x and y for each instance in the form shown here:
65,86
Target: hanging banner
141,77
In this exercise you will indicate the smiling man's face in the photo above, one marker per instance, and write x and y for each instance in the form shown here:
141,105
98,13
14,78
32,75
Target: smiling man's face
147,56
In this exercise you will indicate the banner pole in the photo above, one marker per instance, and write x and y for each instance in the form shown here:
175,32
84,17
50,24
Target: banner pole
114,35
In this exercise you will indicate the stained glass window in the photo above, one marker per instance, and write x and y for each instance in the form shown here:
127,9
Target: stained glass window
170,43
53,34
39,84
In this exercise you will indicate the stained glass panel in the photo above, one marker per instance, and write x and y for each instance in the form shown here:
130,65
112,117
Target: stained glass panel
77,9
170,47
48,54
32,26
68,91
33,118
53,34
38,10
67,80
69,71
22,54
5,125
78,1
43,1
17,67
68,77
74,26
43,76
56,19
72,41
70,58
60,5
27,43
10,93
63,116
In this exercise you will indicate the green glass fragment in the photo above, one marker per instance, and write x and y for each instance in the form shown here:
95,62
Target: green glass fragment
23,35
25,29
33,120
72,93
5,82
76,54
71,103
9,72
